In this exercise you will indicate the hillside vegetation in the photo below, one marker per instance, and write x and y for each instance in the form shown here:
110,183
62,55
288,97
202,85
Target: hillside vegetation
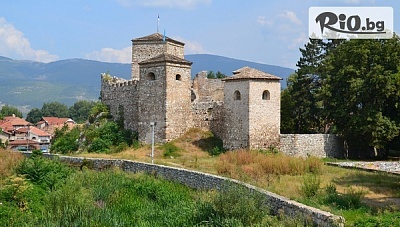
361,197
41,192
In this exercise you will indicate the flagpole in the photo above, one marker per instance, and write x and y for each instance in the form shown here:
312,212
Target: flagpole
158,21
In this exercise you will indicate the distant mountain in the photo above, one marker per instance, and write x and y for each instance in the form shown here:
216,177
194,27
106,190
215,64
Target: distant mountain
226,65
28,84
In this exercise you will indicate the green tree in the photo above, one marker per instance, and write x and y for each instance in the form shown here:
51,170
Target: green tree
98,113
80,111
211,75
65,141
287,115
220,75
304,87
361,95
55,109
34,115
9,111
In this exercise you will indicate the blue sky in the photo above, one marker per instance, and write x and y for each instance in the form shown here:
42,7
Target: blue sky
262,31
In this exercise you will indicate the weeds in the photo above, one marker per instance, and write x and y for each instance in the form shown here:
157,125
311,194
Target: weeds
254,163
310,186
8,160
170,150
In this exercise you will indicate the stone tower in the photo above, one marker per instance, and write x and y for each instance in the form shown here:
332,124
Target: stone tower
164,87
252,109
151,46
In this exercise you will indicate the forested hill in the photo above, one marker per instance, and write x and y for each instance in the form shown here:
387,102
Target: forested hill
29,84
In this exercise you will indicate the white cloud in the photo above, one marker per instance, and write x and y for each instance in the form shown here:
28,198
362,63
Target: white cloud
191,47
298,41
112,55
262,21
290,15
184,4
13,44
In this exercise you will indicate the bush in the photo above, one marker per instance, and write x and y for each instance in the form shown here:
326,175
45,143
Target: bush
351,199
310,186
46,173
170,150
239,203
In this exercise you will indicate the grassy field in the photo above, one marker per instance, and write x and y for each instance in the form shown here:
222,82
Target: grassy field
41,192
361,197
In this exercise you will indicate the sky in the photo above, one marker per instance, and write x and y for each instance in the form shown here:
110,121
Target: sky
269,32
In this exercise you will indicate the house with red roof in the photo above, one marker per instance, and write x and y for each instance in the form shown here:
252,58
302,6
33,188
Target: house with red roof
50,124
22,135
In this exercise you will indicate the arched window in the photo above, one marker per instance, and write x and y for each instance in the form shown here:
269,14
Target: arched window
151,76
236,95
266,95
178,77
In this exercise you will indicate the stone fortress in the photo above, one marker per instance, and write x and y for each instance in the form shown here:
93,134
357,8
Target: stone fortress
243,109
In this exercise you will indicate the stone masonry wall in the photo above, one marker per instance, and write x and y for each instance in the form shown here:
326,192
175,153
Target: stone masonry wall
236,123
118,93
207,104
199,180
264,114
207,90
318,145
208,116
178,103
152,95
143,50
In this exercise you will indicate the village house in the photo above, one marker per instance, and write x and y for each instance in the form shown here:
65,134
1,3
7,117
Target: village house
19,134
50,124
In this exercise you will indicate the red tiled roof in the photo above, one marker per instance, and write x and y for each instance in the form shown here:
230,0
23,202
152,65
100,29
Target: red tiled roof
251,73
9,123
156,37
55,120
15,120
38,132
164,57
22,142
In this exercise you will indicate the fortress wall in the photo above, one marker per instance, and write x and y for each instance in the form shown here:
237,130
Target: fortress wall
207,90
198,180
318,145
208,116
122,97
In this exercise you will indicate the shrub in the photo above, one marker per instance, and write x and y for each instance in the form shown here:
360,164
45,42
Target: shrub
310,186
170,150
46,173
235,202
351,199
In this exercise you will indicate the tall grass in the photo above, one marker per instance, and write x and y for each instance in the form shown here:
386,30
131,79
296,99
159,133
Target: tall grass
244,164
8,160
116,198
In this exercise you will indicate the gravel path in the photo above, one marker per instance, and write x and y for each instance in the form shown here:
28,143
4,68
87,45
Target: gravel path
392,167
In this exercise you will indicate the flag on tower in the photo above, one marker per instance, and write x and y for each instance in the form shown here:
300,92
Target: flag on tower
158,21
163,38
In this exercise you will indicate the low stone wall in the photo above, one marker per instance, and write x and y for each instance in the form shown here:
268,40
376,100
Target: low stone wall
318,145
199,180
